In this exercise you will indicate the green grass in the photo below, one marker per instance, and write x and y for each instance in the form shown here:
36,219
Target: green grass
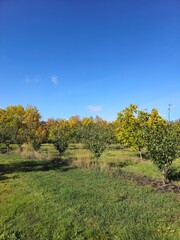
44,200
127,158
131,163
145,168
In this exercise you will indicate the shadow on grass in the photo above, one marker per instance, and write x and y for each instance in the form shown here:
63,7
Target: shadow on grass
174,174
2,177
34,165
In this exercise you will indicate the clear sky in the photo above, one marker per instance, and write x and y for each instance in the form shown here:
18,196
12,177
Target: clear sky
90,57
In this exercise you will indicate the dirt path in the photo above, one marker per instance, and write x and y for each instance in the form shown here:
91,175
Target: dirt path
144,181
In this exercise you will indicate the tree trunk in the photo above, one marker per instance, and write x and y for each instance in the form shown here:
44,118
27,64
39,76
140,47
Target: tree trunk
165,177
20,147
96,164
7,146
60,155
140,155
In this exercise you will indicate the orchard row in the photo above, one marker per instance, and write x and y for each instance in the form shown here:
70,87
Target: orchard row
134,128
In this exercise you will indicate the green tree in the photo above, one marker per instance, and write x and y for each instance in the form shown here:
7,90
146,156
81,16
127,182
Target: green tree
59,134
176,126
75,127
96,138
162,143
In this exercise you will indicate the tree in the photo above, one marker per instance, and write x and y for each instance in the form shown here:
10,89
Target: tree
87,121
20,137
111,127
176,126
16,114
59,134
75,126
96,138
34,131
10,123
162,143
131,124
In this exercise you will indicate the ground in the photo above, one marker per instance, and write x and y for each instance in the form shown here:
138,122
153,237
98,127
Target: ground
54,199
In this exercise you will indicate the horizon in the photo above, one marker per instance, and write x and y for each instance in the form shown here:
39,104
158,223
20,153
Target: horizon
169,119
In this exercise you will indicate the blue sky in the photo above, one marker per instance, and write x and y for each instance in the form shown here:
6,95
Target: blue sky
88,58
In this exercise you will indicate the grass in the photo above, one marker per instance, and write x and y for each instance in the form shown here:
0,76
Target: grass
130,162
49,200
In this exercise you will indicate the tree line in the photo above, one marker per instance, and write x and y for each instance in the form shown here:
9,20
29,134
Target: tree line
133,128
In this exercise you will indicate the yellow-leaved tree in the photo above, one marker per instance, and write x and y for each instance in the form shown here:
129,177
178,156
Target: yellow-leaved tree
11,120
34,130
130,130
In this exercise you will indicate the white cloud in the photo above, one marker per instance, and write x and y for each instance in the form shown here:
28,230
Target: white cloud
55,79
95,108
32,80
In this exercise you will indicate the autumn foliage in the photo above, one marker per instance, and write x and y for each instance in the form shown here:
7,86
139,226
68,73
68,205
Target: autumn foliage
133,128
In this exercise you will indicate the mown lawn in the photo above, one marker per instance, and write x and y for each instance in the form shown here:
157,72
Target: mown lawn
47,200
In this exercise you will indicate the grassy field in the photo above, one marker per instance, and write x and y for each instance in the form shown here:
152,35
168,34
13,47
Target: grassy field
47,199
